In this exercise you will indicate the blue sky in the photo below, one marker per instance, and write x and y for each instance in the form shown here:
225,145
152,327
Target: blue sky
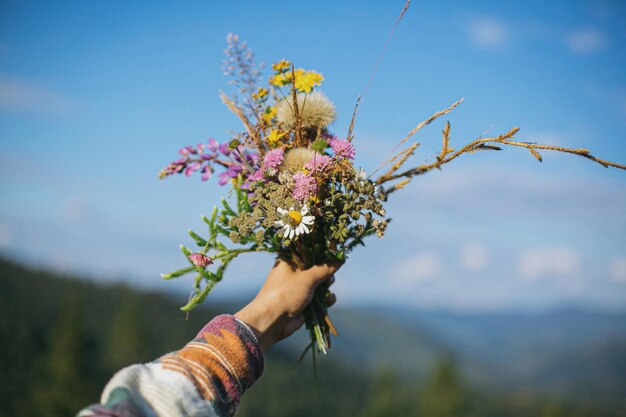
96,97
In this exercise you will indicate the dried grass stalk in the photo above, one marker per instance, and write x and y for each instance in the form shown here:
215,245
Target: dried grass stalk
349,136
296,111
403,156
413,132
481,144
250,128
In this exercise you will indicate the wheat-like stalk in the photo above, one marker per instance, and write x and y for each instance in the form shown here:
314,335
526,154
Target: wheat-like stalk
448,154
238,111
350,136
413,131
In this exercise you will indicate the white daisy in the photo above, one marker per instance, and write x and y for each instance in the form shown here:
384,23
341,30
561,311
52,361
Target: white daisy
294,222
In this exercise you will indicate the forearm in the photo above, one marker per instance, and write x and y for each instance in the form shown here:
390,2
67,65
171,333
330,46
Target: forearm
206,377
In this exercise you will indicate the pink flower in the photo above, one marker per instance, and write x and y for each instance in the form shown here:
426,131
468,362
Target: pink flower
256,176
200,260
272,159
317,163
305,186
342,148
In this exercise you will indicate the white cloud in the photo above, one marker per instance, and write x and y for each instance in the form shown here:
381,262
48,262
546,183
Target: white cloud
585,41
618,270
421,267
475,257
545,263
488,32
491,32
22,96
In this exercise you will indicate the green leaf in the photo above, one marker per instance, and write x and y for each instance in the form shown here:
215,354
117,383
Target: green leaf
185,251
198,298
222,230
227,208
178,273
199,241
210,276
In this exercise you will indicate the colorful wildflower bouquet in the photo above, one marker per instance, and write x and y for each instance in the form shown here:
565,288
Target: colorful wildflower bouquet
297,191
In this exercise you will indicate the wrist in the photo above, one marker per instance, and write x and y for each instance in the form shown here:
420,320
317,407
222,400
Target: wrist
262,320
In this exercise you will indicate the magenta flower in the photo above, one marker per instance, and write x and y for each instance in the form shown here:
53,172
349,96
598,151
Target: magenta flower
317,163
208,158
186,150
200,260
223,178
224,149
192,168
207,172
256,176
232,172
342,148
305,186
252,158
212,145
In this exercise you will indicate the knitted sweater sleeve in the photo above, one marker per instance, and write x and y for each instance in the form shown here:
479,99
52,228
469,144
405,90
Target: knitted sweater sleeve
205,378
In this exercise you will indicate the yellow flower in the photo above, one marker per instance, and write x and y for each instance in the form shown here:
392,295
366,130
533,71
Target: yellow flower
269,114
305,82
275,136
281,65
298,72
261,93
278,80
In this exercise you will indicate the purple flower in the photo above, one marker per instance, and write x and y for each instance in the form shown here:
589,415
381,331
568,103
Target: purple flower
342,148
317,163
252,158
305,186
223,178
207,172
256,176
212,145
232,172
273,159
223,148
200,260
192,168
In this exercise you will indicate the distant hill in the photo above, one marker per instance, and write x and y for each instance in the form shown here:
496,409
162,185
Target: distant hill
567,351
570,353
62,338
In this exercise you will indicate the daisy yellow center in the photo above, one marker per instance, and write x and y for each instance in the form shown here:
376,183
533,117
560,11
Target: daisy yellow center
294,217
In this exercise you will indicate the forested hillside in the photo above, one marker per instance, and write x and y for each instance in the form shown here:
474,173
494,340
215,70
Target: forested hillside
62,338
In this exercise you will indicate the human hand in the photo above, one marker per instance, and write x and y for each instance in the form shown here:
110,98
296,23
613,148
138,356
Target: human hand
276,311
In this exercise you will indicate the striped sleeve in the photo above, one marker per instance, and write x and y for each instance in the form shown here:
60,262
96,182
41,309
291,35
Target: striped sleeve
205,378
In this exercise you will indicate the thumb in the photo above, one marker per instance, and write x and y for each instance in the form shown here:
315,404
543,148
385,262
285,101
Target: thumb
320,273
